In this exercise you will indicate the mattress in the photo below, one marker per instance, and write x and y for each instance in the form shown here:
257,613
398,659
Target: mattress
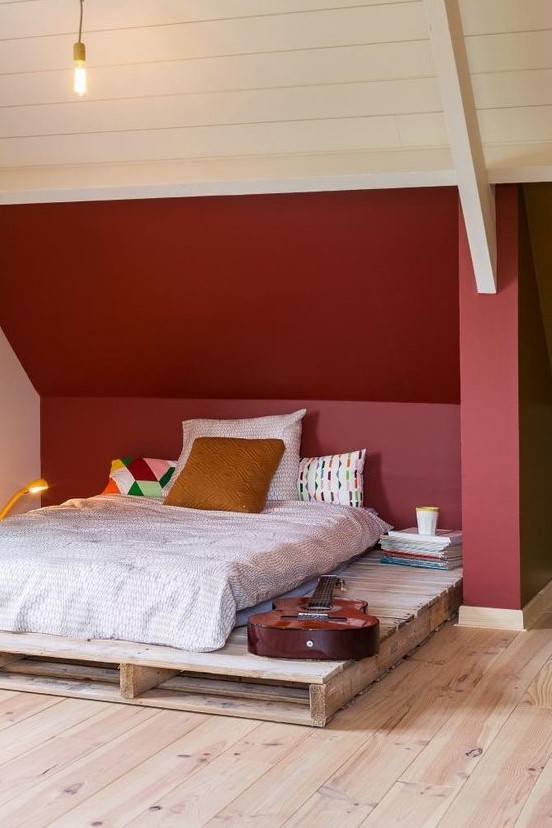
132,568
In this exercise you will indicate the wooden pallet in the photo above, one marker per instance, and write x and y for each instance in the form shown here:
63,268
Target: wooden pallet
409,602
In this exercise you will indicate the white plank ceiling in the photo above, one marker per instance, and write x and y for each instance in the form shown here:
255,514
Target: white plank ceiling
229,96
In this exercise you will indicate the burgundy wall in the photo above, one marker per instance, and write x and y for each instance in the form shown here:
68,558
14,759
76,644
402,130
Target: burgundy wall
343,296
130,316
490,421
413,449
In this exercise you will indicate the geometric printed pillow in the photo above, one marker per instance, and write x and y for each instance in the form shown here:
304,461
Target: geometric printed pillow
142,476
334,478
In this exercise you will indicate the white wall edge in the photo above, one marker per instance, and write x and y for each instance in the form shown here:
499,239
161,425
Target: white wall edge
369,181
19,427
520,175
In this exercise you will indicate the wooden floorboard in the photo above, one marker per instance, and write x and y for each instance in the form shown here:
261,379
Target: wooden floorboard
458,734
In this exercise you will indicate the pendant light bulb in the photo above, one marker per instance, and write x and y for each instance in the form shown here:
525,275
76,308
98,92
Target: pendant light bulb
79,59
79,74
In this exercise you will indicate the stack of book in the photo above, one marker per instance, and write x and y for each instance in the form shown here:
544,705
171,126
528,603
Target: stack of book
443,550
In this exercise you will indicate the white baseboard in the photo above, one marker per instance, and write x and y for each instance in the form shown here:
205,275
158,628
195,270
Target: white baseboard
491,618
508,619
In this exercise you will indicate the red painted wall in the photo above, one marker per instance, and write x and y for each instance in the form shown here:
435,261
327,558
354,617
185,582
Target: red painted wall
125,313
413,449
344,296
490,420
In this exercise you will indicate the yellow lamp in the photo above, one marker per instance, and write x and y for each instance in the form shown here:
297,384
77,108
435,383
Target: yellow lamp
31,488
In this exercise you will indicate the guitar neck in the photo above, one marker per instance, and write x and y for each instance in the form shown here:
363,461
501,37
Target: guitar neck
322,597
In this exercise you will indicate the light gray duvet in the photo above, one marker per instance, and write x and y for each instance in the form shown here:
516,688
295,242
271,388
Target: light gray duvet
131,568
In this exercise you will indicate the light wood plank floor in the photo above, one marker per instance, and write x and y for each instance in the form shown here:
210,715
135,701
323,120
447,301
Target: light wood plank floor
459,734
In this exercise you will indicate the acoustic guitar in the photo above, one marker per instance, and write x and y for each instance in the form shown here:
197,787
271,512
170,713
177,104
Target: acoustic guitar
322,627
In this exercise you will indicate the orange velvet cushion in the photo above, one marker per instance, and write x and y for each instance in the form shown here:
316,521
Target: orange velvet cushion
230,474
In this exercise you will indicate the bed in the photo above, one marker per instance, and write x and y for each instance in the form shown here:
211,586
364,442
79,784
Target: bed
135,569
132,595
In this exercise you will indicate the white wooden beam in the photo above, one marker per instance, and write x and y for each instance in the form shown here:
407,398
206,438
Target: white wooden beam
476,195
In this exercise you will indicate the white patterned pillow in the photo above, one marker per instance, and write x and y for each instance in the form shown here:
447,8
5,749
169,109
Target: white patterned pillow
286,427
334,478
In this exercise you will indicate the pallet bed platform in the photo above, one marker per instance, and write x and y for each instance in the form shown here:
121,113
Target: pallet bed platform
410,603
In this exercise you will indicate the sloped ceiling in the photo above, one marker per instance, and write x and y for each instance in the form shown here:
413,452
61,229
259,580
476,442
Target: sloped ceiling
210,96
339,295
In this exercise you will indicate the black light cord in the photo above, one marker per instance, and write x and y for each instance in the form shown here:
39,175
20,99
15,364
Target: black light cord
80,19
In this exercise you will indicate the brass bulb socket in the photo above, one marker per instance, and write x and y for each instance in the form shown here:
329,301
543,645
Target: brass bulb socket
79,52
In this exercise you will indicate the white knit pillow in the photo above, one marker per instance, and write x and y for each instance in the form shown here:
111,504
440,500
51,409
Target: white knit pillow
286,427
334,478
